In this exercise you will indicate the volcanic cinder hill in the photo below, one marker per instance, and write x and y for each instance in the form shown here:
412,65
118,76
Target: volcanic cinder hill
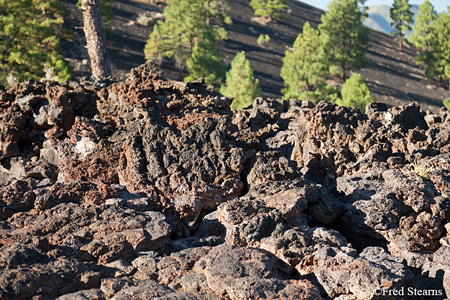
392,76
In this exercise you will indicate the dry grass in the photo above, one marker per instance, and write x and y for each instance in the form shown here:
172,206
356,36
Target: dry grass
421,170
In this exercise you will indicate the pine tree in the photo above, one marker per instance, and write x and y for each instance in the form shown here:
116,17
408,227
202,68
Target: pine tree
186,22
305,69
346,39
440,48
422,35
217,12
355,93
270,9
240,83
29,41
401,16
206,61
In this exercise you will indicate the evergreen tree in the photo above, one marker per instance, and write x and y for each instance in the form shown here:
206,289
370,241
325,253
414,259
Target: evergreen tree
440,48
263,39
401,16
217,12
206,61
355,93
186,22
240,83
304,69
29,41
346,39
270,9
422,35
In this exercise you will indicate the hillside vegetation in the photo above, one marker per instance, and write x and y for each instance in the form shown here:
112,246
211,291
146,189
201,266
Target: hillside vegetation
392,77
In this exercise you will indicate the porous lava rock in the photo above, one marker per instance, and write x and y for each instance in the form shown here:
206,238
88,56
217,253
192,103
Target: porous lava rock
34,117
155,189
168,140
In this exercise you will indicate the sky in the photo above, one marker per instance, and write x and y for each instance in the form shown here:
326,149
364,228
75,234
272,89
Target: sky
439,5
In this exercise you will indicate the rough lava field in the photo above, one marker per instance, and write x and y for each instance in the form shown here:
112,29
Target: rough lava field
155,189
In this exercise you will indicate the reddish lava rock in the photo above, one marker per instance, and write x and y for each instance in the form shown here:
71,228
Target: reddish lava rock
150,188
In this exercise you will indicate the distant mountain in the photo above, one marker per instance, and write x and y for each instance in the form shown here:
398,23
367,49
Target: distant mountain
379,18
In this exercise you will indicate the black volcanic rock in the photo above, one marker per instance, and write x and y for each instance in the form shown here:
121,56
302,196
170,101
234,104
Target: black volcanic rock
155,189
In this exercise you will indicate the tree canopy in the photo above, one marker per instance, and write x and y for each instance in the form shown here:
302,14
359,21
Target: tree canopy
422,36
206,61
346,39
305,69
355,93
440,48
240,83
270,9
401,16
29,41
174,39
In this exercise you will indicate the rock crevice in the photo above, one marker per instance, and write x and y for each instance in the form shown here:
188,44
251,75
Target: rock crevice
153,189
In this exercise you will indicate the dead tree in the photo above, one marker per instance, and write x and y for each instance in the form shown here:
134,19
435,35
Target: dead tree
95,39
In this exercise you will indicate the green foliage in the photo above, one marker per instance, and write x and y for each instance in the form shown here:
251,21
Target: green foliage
240,83
217,11
346,39
270,9
30,33
206,61
421,170
422,35
440,48
305,69
262,39
186,22
401,16
355,93
157,47
446,103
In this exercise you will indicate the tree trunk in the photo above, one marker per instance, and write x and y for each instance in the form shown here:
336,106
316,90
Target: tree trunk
95,39
344,72
400,39
207,13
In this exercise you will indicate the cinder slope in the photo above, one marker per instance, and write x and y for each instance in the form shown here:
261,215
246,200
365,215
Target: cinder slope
393,77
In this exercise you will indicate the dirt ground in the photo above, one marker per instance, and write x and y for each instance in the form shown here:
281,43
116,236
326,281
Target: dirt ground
392,76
